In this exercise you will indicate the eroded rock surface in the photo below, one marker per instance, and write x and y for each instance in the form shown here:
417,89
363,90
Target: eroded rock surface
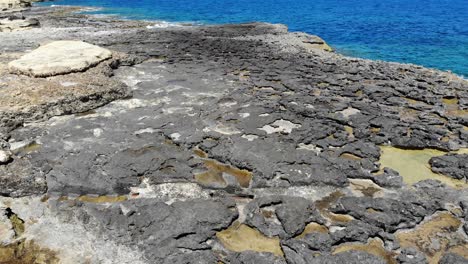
239,144
11,24
59,57
453,165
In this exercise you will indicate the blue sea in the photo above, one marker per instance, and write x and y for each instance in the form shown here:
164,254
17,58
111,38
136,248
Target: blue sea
432,33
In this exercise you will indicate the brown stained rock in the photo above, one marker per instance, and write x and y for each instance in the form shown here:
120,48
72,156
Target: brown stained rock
240,237
364,187
434,237
26,99
313,227
461,250
217,171
18,178
102,199
27,252
324,204
373,247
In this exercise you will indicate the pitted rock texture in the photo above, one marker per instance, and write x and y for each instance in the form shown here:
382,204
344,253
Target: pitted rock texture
27,99
453,165
234,133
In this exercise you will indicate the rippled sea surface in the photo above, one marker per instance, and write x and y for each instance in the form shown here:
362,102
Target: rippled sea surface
433,33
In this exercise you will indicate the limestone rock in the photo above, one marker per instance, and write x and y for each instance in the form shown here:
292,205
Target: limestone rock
10,25
59,57
119,181
5,156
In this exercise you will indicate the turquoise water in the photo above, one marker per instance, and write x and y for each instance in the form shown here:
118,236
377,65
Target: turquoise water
433,33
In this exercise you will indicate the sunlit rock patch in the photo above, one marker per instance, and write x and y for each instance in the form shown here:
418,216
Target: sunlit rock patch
374,247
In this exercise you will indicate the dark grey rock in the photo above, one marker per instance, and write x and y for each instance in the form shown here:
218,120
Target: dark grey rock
452,258
176,233
388,214
355,231
389,179
453,165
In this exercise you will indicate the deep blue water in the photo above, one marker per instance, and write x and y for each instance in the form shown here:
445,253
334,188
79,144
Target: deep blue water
433,33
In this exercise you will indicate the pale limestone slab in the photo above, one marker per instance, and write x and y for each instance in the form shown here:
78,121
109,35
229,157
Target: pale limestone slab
59,57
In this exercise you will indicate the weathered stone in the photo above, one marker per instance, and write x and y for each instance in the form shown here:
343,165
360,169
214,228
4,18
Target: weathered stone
453,165
355,231
411,256
26,99
389,178
281,216
452,258
59,57
5,156
389,214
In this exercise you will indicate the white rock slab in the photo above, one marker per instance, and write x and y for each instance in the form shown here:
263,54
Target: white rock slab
59,57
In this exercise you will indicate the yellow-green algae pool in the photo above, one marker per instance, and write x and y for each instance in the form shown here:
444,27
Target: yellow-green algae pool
413,164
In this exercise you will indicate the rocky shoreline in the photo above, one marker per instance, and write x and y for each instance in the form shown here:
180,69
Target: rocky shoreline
223,144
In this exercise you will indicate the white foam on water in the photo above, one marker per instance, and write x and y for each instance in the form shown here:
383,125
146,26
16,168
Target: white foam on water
164,24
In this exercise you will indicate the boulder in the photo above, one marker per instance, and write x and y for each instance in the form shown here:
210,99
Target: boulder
59,57
10,25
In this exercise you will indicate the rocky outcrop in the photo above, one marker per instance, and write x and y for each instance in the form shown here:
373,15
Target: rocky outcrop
453,165
59,57
11,24
79,80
